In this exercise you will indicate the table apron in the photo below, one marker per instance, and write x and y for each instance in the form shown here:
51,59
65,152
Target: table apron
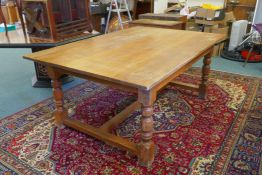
170,78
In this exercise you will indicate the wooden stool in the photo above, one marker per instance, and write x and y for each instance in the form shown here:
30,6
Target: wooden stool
158,23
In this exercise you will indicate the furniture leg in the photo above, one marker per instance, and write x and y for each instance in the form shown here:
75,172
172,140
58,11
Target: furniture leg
183,27
134,9
248,55
60,112
152,6
41,78
205,73
203,28
146,146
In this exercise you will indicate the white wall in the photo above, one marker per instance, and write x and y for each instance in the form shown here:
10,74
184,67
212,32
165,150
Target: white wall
258,13
160,6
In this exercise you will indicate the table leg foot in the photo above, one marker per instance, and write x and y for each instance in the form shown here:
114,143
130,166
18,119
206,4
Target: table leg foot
146,146
146,157
59,117
60,126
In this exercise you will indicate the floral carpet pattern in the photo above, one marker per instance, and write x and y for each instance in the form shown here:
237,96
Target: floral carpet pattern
219,135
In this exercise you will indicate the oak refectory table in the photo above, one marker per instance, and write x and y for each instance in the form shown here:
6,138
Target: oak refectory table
141,59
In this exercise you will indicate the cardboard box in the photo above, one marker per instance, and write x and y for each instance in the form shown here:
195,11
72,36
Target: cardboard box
209,17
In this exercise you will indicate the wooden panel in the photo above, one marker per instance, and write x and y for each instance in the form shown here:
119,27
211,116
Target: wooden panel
96,21
57,14
133,57
158,23
10,13
119,118
154,22
111,139
164,16
185,85
142,7
242,9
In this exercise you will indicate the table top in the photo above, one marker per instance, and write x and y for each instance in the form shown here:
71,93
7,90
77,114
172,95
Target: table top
164,16
140,57
16,39
156,22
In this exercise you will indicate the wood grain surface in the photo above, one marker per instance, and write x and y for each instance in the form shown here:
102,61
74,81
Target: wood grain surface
139,57
156,22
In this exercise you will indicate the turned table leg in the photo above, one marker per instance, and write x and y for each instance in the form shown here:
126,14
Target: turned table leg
60,112
205,73
146,146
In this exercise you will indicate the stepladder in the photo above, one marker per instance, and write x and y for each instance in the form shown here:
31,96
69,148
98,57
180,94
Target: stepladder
119,7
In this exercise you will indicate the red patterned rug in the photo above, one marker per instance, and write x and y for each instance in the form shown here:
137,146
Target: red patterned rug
219,135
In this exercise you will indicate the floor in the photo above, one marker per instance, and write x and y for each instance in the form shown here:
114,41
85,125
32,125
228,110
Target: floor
16,92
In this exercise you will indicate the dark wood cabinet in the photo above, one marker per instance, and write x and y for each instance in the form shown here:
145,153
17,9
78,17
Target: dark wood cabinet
57,19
